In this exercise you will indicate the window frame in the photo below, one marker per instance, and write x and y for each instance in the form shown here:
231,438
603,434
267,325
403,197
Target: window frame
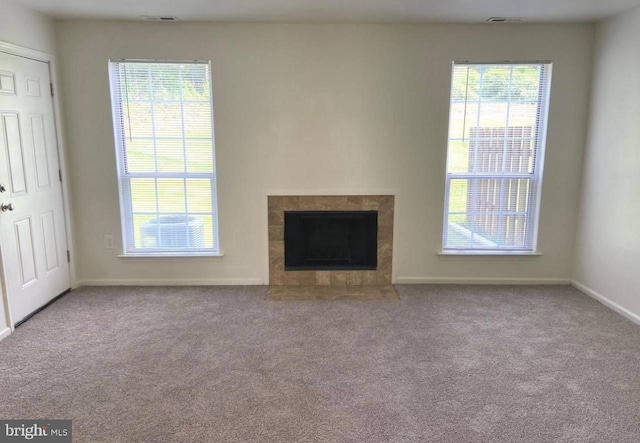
535,177
125,177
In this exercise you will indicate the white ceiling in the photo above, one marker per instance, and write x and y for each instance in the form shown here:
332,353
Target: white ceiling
412,11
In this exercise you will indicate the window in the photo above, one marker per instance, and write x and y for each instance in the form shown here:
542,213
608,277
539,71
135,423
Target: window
497,126
163,123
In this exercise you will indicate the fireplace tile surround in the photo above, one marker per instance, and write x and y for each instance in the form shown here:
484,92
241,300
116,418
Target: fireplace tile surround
278,204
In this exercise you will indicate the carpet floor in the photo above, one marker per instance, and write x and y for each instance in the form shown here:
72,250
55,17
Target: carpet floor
445,363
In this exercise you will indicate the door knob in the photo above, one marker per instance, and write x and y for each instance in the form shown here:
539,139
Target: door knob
6,207
2,188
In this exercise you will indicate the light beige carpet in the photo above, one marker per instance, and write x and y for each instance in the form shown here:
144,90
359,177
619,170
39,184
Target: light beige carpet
442,364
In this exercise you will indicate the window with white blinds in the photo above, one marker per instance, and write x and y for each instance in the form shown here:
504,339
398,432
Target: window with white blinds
163,124
497,125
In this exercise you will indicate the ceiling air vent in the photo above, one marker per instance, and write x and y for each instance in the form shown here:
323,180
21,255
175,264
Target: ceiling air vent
505,20
151,18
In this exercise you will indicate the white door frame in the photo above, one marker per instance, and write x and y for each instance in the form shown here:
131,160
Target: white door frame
62,160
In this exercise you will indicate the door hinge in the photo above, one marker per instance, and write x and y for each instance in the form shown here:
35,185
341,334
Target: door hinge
68,256
60,174
51,85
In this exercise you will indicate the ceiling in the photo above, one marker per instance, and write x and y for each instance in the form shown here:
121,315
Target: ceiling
407,11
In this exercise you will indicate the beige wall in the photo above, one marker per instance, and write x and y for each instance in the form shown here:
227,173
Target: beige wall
326,109
23,27
608,243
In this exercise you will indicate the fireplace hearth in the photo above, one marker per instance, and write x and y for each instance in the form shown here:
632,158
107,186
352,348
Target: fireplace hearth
324,260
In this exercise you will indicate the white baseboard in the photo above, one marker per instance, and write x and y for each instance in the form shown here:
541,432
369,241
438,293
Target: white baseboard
5,333
482,281
173,282
607,302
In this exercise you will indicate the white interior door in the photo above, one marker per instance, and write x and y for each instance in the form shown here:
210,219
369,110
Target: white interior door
33,240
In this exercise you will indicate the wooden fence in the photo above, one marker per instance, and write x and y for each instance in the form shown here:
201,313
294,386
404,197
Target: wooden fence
497,207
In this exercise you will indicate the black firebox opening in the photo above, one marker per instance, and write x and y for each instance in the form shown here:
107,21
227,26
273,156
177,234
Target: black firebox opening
330,240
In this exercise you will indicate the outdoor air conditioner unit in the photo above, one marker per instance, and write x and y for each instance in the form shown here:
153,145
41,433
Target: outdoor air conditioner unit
173,232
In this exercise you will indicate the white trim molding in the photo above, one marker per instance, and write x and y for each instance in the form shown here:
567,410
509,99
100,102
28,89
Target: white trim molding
607,302
178,255
481,281
22,51
174,282
5,333
487,254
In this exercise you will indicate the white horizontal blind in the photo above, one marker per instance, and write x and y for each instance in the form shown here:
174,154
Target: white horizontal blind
163,122
497,128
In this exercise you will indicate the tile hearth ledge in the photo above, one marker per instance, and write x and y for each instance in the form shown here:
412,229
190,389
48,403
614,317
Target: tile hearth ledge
278,204
344,292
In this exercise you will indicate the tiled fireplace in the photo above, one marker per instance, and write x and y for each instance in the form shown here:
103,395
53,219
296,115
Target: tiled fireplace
278,205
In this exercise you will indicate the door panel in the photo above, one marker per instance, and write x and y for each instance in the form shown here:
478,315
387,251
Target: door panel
26,255
49,238
7,82
11,132
32,236
40,149
33,86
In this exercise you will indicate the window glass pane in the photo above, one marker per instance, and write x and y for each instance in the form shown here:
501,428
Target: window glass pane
492,115
171,196
199,195
499,150
145,233
140,155
167,119
488,213
526,83
136,120
459,159
165,81
458,196
197,120
199,155
134,82
170,155
195,83
463,116
207,223
523,114
143,195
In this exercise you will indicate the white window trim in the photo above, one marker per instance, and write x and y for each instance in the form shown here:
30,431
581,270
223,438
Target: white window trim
123,182
536,177
483,253
175,255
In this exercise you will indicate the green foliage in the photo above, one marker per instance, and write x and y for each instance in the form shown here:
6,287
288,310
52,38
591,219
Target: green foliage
166,81
496,82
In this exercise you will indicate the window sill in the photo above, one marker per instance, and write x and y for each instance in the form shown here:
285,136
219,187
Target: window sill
173,255
481,255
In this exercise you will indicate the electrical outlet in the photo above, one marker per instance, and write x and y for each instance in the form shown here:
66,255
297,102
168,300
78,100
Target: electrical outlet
108,241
